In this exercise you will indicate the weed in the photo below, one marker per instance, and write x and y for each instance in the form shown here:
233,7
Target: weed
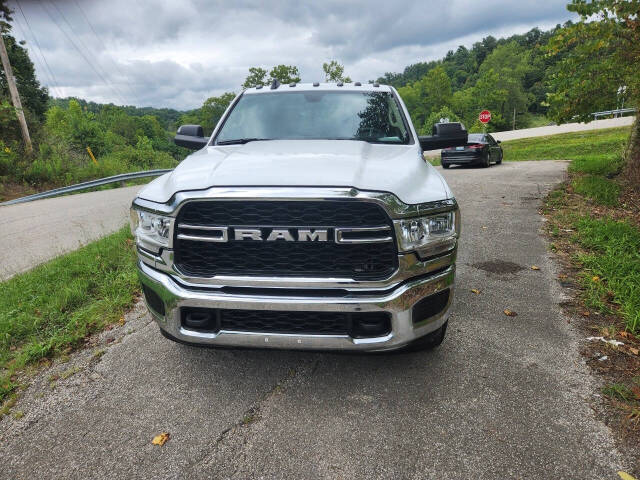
9,401
248,418
618,391
70,372
99,353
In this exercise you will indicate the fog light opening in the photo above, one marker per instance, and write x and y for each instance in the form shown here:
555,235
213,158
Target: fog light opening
370,325
203,320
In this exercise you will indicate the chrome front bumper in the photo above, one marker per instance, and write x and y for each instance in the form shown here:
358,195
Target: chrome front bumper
398,301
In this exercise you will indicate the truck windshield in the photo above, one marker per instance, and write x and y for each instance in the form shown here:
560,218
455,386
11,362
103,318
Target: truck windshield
368,116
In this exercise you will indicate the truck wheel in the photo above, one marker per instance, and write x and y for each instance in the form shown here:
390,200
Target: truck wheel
430,341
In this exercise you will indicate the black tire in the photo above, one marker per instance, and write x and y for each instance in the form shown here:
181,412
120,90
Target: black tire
499,161
428,342
445,165
486,161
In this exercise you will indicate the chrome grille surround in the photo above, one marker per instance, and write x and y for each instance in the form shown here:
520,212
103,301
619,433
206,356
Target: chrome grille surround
409,265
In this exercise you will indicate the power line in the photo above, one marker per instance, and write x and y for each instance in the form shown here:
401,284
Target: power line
104,47
33,35
91,65
94,65
85,47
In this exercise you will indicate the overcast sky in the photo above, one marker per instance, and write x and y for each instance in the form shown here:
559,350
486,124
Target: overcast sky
177,53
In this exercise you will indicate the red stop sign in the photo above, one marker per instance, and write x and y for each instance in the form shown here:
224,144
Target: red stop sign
485,116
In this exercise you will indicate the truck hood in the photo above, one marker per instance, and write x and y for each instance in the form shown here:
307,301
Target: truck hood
398,169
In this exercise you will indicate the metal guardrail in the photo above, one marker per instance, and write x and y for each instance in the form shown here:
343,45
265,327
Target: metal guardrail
84,185
619,111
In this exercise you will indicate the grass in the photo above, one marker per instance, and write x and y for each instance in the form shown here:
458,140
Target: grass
49,310
599,189
608,249
618,391
603,146
604,164
611,266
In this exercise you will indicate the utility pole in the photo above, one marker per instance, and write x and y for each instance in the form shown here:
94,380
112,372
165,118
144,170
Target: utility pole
15,97
514,118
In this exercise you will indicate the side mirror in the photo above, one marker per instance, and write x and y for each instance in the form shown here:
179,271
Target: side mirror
445,135
498,141
191,136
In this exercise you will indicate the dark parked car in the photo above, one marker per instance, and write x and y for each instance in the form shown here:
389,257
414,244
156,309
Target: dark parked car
481,149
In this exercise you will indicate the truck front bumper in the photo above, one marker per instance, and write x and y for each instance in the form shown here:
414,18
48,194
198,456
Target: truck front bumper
407,304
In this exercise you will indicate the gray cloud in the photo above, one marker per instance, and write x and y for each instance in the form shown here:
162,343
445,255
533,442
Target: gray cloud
176,54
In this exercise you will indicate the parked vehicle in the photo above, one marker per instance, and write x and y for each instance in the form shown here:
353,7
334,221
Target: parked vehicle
308,220
482,149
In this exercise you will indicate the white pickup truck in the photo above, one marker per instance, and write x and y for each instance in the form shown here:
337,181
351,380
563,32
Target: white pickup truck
308,219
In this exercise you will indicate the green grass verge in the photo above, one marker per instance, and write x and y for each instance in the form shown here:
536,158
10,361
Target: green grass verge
611,266
609,258
599,189
53,307
606,145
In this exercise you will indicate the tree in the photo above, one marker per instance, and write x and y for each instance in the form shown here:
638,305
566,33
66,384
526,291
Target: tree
500,84
211,111
33,96
431,92
284,74
334,72
600,54
5,16
435,117
257,76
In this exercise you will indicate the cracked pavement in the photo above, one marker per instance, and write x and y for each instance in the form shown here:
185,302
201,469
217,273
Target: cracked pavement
503,397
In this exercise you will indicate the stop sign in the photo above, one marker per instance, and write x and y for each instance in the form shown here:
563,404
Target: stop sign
485,116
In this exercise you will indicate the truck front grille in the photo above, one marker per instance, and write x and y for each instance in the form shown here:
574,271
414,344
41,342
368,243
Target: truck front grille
226,256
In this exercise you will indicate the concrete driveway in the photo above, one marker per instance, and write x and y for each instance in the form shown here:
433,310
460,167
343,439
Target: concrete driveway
503,397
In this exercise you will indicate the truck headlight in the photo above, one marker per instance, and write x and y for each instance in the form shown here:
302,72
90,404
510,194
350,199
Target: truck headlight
151,230
428,235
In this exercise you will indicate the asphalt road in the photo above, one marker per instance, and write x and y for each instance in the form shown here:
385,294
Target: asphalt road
34,232
503,397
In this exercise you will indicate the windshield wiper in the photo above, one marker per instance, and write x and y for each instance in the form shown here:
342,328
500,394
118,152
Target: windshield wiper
240,141
390,141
